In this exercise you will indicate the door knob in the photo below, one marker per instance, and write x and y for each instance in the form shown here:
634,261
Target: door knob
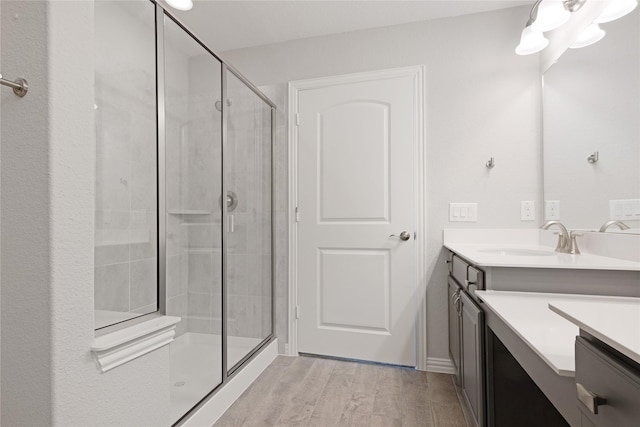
403,236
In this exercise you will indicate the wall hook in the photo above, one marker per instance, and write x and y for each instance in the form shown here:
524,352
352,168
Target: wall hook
593,157
20,86
491,163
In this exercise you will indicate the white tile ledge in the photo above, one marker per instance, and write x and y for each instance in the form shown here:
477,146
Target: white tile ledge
119,347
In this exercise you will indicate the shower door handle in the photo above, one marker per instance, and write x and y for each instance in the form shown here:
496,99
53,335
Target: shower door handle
404,236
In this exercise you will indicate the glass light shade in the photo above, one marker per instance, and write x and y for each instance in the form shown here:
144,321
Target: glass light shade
551,15
590,35
180,4
531,42
616,9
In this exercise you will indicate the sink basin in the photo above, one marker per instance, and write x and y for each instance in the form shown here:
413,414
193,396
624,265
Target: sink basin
518,252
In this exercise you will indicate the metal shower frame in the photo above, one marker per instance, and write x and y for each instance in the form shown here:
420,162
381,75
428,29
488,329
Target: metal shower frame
227,371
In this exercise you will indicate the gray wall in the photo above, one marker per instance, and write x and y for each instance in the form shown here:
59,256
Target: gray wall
482,101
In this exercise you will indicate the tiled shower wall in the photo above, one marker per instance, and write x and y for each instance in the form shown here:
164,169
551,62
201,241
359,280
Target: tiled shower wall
125,211
194,224
249,244
193,185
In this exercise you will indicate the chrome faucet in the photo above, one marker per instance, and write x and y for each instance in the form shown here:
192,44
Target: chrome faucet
564,240
621,225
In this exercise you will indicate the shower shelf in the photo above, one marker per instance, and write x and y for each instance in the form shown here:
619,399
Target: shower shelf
190,212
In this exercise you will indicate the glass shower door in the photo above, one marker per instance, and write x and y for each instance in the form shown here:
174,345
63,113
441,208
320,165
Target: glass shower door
248,233
193,177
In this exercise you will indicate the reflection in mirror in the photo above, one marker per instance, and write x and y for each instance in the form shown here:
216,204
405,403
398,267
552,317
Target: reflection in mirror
591,114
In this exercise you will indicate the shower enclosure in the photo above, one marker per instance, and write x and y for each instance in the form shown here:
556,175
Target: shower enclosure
210,204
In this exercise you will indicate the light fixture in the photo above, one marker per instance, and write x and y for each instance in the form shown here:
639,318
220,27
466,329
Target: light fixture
616,9
551,15
590,35
531,42
180,4
545,15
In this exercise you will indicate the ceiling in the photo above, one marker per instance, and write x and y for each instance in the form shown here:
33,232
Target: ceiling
227,25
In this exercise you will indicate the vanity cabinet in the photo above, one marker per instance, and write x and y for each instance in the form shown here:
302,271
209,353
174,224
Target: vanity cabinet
607,385
466,334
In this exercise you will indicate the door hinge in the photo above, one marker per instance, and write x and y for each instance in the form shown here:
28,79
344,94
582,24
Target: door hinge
297,213
297,119
297,311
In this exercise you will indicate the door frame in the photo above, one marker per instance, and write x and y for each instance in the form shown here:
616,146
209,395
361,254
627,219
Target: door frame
420,167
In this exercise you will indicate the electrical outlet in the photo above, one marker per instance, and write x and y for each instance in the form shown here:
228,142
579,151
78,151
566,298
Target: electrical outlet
528,211
551,210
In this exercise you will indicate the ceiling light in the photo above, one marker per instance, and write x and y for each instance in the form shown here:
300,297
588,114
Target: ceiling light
551,14
592,34
531,42
616,9
180,4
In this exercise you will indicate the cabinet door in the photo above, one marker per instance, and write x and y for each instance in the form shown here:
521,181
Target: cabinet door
472,322
454,330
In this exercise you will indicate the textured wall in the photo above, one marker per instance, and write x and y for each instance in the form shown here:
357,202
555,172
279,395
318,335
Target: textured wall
24,251
482,101
47,164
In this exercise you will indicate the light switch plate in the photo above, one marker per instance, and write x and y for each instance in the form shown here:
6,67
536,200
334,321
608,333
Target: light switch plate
528,210
628,209
463,212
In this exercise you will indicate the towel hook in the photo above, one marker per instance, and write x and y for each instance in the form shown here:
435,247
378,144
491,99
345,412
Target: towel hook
20,86
491,163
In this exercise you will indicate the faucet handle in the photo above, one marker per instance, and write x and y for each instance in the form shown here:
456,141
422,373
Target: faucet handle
573,248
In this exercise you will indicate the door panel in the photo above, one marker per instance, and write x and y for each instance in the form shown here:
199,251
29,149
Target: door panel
346,132
357,284
345,275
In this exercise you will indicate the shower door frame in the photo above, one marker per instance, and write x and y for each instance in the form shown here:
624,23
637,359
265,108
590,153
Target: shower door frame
227,372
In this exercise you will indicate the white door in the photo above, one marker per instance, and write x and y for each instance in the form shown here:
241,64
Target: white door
356,187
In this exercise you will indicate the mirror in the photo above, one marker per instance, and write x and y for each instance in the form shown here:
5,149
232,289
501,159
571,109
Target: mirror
591,131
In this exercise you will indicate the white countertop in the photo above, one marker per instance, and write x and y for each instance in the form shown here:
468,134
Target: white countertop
494,248
549,335
616,322
477,254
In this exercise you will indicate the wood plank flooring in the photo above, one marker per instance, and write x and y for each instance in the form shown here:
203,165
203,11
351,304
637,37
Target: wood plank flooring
309,391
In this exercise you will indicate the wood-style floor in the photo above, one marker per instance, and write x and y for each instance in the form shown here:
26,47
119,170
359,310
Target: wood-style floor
309,391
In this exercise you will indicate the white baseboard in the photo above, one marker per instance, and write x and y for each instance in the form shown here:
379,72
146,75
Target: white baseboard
223,399
442,366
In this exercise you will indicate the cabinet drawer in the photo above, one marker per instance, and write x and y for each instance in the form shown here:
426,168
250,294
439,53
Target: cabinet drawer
600,373
468,276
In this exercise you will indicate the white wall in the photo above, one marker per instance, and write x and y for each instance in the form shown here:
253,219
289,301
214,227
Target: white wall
47,166
482,101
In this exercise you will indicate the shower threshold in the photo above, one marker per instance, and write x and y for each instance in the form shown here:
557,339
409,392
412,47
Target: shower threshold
196,366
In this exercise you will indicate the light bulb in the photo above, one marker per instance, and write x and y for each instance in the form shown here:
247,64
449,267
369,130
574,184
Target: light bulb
551,15
616,9
180,4
531,42
590,35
